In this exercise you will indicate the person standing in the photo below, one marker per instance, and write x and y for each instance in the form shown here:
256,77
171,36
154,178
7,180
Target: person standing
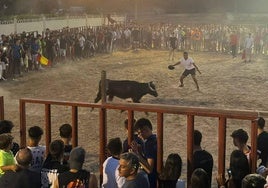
38,151
111,178
148,161
173,43
202,158
23,177
249,42
190,68
233,43
262,142
16,58
128,167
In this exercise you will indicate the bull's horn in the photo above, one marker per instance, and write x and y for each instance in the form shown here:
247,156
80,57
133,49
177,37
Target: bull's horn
149,85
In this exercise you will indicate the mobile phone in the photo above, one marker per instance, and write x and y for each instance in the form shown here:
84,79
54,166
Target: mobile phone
229,172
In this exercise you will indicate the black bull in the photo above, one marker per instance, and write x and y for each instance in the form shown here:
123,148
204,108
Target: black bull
127,89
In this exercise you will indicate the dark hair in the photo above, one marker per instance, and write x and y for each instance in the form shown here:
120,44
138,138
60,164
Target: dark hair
261,122
253,181
239,166
5,140
241,135
114,146
143,122
197,137
132,160
200,179
126,123
65,130
56,149
35,132
6,126
172,168
24,157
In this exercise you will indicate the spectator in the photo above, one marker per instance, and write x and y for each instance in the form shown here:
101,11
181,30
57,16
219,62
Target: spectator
35,134
262,142
148,161
171,172
240,138
23,177
5,127
249,42
201,158
52,165
66,137
111,177
238,169
76,176
7,161
128,168
253,181
200,179
136,137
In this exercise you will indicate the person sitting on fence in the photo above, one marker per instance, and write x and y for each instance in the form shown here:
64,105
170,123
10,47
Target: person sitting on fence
66,137
35,134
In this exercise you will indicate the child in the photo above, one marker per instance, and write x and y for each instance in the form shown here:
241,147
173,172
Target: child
66,136
7,161
35,133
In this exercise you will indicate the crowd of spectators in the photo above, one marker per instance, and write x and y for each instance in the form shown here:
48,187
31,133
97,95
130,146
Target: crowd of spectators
135,167
20,53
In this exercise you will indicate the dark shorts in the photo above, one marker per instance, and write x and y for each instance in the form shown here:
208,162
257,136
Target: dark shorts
187,72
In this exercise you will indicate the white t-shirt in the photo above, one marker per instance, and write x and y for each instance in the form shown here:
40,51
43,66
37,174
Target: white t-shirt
249,42
111,178
38,153
188,64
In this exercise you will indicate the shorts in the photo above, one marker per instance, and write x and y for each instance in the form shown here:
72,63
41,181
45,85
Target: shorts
187,72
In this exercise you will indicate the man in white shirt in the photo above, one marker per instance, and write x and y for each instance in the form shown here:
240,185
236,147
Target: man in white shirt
249,42
190,68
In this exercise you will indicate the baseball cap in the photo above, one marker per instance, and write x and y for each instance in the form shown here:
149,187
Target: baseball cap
77,158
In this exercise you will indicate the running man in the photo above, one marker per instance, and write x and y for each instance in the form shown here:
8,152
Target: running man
190,68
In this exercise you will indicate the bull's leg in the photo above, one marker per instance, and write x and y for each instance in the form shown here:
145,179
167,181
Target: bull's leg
110,97
98,98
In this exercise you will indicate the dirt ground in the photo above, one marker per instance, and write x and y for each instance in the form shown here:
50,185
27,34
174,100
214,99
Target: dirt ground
225,83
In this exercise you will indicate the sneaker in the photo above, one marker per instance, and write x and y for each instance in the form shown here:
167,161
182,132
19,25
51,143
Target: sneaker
181,85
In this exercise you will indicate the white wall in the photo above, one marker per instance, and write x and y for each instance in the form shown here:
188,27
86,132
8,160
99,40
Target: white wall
18,26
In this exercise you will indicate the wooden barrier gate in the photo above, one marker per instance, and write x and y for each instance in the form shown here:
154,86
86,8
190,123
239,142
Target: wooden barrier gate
190,112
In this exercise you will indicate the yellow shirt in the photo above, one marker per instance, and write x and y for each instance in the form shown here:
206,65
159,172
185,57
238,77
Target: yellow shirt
6,158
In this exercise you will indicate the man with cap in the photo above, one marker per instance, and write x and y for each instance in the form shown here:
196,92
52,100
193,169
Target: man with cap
77,176
22,178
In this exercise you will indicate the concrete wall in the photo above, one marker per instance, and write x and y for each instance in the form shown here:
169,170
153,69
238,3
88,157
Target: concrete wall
18,26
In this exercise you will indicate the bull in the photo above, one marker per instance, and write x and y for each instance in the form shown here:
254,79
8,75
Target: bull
127,89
